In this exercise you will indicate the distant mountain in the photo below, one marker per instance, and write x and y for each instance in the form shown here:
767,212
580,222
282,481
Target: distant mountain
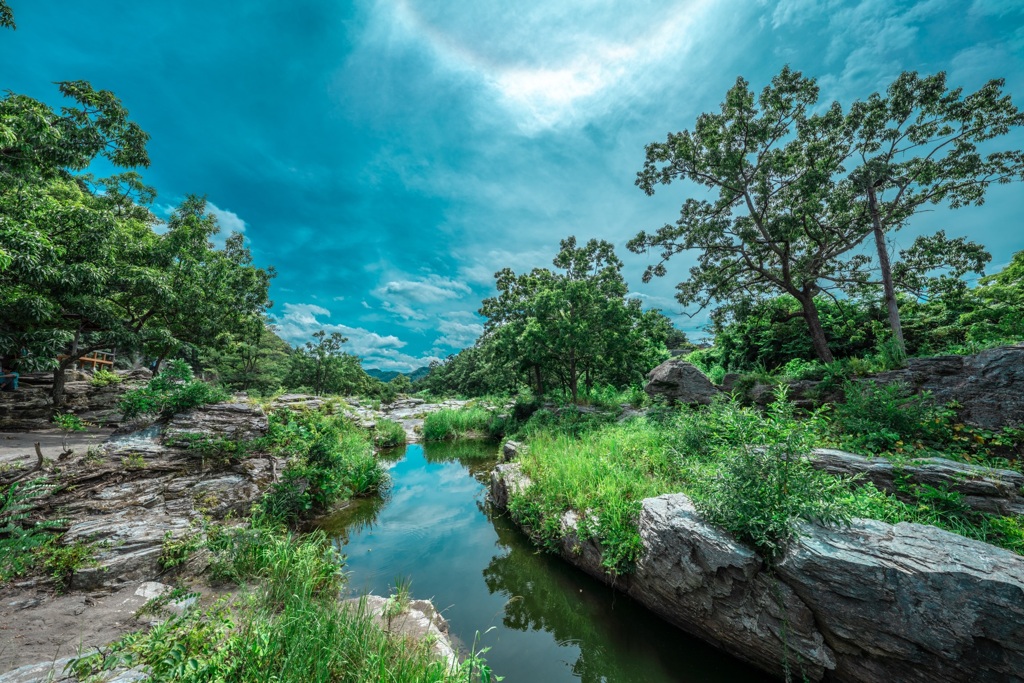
388,375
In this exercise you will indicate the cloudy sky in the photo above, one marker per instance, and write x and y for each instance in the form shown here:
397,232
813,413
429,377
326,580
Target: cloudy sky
387,157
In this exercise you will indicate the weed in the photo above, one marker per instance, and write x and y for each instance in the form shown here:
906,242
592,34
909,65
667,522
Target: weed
176,551
388,433
133,461
62,561
451,424
19,538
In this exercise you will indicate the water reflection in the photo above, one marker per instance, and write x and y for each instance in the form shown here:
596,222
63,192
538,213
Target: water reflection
552,622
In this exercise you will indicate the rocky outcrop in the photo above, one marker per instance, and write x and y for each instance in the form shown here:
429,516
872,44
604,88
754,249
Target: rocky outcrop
989,386
911,602
874,602
233,421
418,620
30,407
510,451
985,489
680,382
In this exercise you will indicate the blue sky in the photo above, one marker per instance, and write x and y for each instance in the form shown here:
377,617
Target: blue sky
387,157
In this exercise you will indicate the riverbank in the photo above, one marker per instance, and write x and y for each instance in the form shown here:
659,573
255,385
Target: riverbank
166,513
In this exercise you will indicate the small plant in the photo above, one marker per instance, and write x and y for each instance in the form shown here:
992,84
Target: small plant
451,424
19,538
62,561
398,601
176,551
883,418
133,461
94,455
476,664
104,377
69,422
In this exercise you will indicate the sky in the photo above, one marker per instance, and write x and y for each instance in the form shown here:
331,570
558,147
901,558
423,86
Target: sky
387,157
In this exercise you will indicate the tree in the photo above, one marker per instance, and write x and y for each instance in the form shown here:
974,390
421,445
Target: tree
575,325
918,145
799,193
780,221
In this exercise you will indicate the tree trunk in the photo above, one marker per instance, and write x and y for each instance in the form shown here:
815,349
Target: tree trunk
887,284
540,380
810,314
57,394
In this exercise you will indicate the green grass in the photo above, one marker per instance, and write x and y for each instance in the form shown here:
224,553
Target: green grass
447,423
290,626
388,434
745,471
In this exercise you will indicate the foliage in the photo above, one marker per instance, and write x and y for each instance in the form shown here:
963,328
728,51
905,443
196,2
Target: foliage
68,422
254,359
388,433
322,367
800,192
84,268
19,538
763,487
174,390
448,423
292,627
329,460
104,378
575,326
61,561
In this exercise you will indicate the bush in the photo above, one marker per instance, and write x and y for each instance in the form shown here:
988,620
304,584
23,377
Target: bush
329,460
19,538
172,391
881,418
104,377
388,434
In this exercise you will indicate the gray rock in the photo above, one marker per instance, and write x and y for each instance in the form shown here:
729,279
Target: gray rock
510,451
911,602
985,489
419,621
506,480
680,382
236,421
707,584
989,386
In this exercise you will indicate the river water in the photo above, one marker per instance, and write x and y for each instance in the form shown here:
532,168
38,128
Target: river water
551,621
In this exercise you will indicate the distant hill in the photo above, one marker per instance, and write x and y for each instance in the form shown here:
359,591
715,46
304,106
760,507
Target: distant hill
388,375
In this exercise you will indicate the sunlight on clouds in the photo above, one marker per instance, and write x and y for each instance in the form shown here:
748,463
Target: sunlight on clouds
547,61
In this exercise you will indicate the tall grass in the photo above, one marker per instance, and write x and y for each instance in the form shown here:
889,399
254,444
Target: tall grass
388,434
452,424
746,471
292,627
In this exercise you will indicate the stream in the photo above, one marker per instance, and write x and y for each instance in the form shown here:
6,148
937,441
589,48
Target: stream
551,622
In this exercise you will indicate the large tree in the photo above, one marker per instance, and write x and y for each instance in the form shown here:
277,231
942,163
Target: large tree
799,188
779,220
575,325
918,145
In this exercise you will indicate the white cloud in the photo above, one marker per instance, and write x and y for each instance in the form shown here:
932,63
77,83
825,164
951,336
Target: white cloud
457,335
298,322
228,221
409,298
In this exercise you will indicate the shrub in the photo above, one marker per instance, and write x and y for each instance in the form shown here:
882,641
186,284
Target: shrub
880,418
329,460
104,377
172,391
19,538
388,433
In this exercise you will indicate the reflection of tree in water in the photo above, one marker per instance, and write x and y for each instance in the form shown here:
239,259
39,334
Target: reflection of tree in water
476,455
618,640
359,515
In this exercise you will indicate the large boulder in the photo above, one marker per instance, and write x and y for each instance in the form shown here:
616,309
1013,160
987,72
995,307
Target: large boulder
989,386
680,382
911,602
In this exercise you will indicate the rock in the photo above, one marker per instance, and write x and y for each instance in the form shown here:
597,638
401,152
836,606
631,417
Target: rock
510,451
989,386
235,421
874,602
507,480
419,621
911,602
707,584
680,382
985,489
729,381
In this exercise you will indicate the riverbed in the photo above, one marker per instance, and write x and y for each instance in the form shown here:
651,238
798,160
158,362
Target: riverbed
544,620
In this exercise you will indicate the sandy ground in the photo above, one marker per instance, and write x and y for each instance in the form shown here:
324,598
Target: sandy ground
18,447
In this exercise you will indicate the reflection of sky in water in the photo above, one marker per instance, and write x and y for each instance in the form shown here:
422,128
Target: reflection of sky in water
552,622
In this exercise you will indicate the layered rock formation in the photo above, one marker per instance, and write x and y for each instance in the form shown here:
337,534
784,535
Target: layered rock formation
875,602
